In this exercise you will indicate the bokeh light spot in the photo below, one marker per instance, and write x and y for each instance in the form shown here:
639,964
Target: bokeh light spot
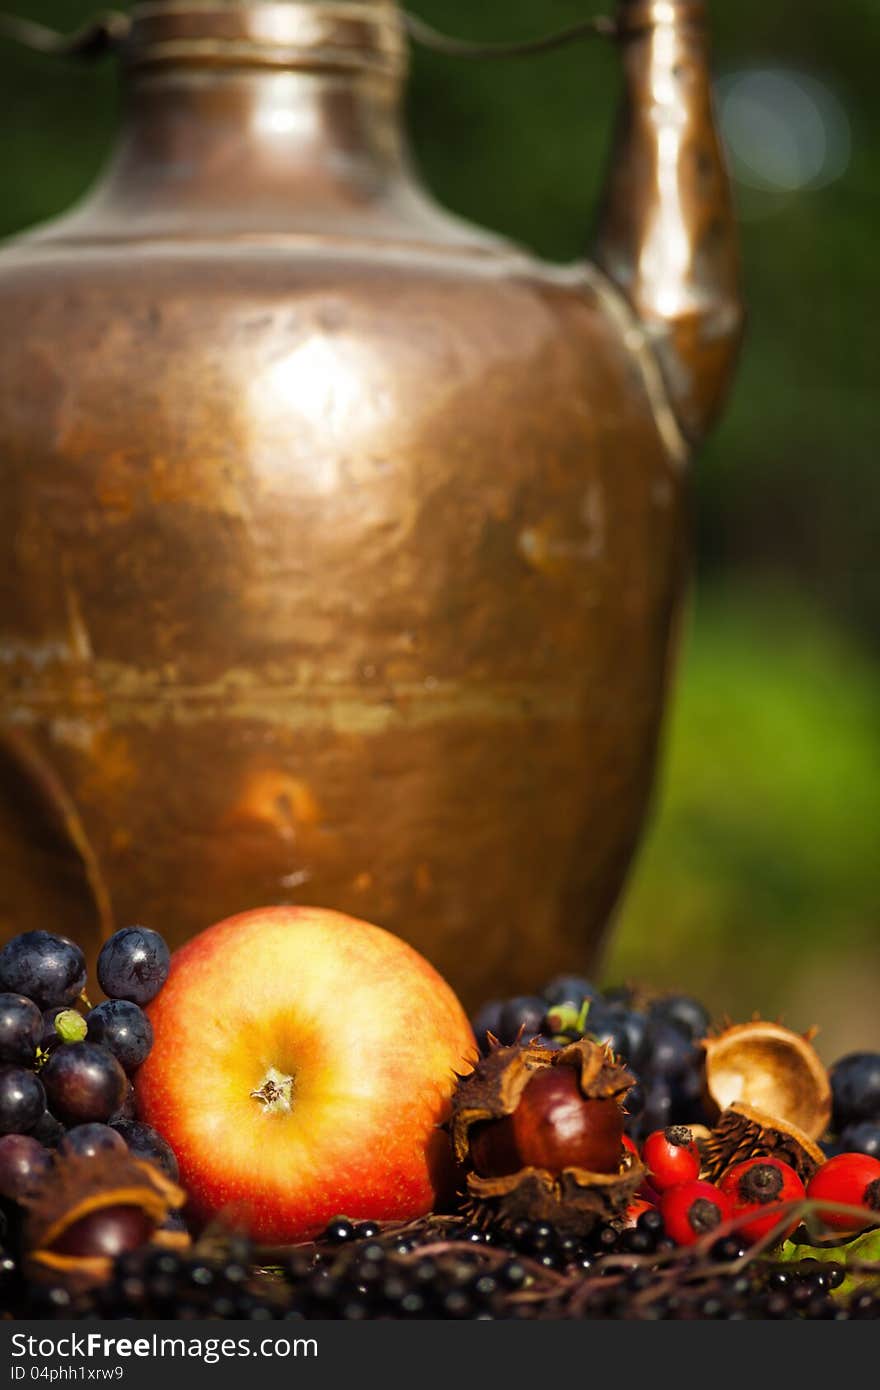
785,131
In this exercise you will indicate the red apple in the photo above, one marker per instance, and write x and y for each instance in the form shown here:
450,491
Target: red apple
302,1062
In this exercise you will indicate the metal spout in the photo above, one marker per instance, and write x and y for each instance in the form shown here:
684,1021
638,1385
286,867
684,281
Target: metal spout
667,233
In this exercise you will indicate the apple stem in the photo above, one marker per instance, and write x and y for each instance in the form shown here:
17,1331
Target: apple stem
276,1092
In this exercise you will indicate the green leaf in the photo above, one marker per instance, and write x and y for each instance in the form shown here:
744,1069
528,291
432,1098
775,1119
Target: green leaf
865,1249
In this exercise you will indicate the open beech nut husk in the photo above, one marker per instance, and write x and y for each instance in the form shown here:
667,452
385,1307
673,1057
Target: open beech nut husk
538,1135
92,1209
771,1068
743,1132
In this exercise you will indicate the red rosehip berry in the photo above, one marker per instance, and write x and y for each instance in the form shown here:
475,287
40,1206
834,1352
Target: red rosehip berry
637,1207
631,1146
693,1209
761,1185
672,1157
646,1192
852,1179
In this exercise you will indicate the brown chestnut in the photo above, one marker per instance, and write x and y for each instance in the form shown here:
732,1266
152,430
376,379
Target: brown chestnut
108,1232
553,1127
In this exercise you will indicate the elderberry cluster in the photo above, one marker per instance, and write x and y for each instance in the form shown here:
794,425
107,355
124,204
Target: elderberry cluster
375,1281
448,1270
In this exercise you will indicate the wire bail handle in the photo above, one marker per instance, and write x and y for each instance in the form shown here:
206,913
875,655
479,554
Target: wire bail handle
107,32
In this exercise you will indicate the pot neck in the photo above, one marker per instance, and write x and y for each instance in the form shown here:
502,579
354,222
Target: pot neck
307,35
259,104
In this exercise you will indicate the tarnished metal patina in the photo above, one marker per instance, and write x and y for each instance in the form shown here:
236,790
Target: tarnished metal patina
344,541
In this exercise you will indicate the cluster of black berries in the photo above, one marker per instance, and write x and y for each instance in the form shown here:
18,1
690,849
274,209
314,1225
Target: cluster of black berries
359,1278
377,1280
65,1067
752,1292
536,1241
156,1283
443,1268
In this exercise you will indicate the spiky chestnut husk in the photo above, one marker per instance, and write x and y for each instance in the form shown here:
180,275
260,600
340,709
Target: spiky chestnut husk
743,1132
573,1198
60,1238
773,1069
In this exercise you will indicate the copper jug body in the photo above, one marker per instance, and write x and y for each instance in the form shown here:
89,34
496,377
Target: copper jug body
345,541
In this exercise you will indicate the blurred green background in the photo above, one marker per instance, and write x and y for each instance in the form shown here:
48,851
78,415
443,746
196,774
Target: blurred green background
758,883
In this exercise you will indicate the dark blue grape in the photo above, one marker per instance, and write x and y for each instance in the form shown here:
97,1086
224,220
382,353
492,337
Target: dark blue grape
124,1028
89,1140
687,1098
670,1052
524,1012
24,1163
831,1147
683,1012
48,1036
570,989
133,965
48,1130
657,1111
83,1082
147,1143
22,1100
637,1046
634,1101
607,1025
128,1108
855,1086
21,1024
863,1138
487,1020
47,969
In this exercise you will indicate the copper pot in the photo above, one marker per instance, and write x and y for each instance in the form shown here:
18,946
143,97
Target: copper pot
344,540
